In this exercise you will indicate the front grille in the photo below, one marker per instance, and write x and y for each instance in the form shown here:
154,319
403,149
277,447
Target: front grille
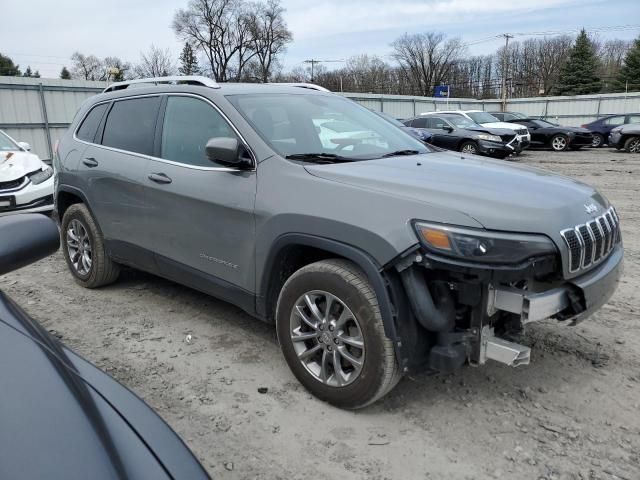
11,184
507,138
590,243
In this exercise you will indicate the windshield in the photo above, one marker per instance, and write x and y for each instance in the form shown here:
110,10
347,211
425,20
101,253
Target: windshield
482,117
543,123
6,144
460,122
322,124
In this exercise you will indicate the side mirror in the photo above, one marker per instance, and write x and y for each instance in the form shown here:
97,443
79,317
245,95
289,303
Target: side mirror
447,128
25,146
228,151
26,238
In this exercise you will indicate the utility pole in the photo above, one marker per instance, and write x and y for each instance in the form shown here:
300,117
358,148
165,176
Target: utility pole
504,70
313,63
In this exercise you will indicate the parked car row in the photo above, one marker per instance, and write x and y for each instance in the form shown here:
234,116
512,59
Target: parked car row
502,134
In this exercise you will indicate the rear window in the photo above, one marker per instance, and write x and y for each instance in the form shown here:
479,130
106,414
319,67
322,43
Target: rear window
87,130
131,125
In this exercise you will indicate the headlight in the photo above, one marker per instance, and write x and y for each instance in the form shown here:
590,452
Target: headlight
39,177
482,245
491,138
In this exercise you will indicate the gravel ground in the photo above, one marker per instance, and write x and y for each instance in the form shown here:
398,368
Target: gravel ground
574,413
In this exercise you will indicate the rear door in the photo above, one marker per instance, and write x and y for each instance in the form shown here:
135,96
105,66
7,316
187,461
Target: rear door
200,216
115,168
610,123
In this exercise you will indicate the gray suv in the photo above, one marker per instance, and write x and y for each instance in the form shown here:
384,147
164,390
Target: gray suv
373,254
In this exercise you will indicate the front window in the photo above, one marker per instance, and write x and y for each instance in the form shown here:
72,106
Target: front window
6,144
302,124
482,117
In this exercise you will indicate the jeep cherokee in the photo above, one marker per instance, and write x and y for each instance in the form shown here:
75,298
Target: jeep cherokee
373,254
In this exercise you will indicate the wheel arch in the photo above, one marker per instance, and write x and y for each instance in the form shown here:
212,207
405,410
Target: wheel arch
66,196
306,249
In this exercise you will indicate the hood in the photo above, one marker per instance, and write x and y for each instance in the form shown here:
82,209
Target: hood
14,165
493,131
499,196
509,126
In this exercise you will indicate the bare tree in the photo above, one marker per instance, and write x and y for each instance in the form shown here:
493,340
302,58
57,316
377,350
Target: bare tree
155,63
87,67
209,25
269,34
427,58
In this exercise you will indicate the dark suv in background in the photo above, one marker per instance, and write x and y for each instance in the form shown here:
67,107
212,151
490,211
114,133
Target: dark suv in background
373,254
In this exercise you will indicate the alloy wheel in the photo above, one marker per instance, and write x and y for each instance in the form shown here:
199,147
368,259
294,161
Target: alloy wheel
327,338
634,146
559,143
597,141
79,247
470,149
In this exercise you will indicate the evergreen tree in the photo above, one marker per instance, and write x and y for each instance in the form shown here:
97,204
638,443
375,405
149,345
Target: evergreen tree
27,72
188,61
65,74
579,75
36,74
8,68
629,76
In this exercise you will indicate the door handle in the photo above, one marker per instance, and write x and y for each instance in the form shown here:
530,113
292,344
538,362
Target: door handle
90,162
159,178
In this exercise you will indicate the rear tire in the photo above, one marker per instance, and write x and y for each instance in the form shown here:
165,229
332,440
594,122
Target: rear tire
469,147
598,140
313,340
83,248
632,145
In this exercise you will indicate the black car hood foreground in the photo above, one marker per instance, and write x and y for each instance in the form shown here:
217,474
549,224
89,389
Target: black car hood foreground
63,419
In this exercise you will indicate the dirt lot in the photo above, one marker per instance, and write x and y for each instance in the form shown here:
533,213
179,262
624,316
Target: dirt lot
574,413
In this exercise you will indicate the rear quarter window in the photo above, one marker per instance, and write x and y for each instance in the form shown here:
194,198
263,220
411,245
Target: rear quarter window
131,125
89,126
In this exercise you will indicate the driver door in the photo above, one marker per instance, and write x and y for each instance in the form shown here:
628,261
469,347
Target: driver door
200,219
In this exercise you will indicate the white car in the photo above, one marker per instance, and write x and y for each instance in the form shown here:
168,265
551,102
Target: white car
26,182
487,120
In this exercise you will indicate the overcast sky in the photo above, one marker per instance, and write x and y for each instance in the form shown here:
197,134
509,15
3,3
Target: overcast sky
44,33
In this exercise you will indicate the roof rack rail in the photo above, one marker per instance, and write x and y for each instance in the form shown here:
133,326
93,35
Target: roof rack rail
310,86
171,80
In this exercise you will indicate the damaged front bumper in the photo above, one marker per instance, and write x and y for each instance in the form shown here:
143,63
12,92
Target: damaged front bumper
574,301
469,314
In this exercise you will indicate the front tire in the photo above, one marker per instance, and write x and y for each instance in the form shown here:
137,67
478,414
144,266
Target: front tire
632,145
559,143
332,337
469,147
84,249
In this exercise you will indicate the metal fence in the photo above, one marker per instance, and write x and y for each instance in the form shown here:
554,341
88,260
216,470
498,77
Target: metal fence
38,111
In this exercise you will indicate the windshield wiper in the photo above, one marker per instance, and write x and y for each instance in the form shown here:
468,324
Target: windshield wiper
401,152
319,157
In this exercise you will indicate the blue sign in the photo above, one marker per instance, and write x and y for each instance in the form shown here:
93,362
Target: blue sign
442,91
